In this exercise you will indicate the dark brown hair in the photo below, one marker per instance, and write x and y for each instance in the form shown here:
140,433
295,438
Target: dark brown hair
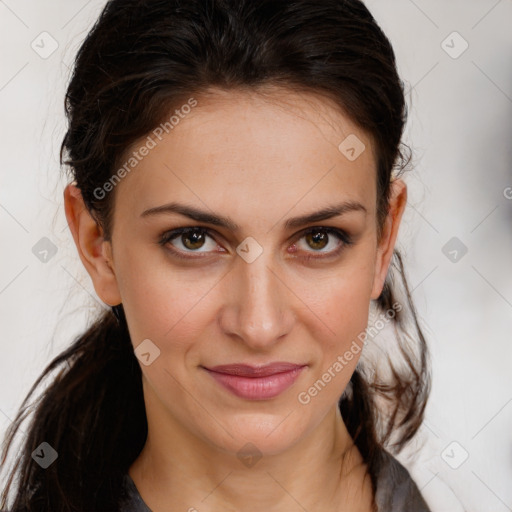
141,60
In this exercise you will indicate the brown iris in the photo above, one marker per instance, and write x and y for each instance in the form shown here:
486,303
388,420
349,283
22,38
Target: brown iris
319,239
196,238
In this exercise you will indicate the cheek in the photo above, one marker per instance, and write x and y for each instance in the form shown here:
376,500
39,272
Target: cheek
345,306
164,303
347,316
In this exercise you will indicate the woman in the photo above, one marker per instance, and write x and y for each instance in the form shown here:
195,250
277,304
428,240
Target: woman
236,199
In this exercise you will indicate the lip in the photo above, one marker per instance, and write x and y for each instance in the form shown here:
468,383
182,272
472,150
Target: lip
256,382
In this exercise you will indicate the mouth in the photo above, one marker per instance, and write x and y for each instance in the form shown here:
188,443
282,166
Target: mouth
256,382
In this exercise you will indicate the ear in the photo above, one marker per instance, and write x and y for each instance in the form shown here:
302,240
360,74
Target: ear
397,203
94,251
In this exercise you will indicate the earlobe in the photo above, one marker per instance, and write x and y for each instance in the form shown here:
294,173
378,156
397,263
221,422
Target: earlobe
94,251
397,203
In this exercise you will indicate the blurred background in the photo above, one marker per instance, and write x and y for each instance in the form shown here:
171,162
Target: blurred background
455,57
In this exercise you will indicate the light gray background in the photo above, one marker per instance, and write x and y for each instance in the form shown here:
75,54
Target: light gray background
460,128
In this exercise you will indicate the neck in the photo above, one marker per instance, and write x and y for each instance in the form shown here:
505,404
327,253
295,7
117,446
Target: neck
177,471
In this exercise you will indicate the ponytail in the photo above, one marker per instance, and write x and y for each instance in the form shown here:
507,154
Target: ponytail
92,415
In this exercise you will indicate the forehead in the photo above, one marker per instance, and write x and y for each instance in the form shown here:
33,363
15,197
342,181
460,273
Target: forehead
270,148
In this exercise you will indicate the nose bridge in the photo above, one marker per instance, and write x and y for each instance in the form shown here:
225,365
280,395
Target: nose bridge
262,315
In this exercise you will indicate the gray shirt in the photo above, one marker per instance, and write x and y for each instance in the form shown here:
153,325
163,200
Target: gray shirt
396,491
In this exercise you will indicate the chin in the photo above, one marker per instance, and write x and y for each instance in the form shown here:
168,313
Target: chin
260,434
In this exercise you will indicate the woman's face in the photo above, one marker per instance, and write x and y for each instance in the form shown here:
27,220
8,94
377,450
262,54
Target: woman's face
255,288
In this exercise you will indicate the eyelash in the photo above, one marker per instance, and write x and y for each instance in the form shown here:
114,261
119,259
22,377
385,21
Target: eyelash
343,236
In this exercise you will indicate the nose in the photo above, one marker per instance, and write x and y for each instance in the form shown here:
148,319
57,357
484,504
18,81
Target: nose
258,311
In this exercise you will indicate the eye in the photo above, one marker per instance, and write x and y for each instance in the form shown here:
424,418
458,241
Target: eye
319,238
189,239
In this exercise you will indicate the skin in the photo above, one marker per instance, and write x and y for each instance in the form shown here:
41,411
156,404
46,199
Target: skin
259,160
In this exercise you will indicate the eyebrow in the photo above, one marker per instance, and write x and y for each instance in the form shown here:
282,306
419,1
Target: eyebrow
225,222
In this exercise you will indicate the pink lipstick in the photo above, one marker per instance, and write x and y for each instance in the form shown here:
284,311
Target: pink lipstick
256,382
